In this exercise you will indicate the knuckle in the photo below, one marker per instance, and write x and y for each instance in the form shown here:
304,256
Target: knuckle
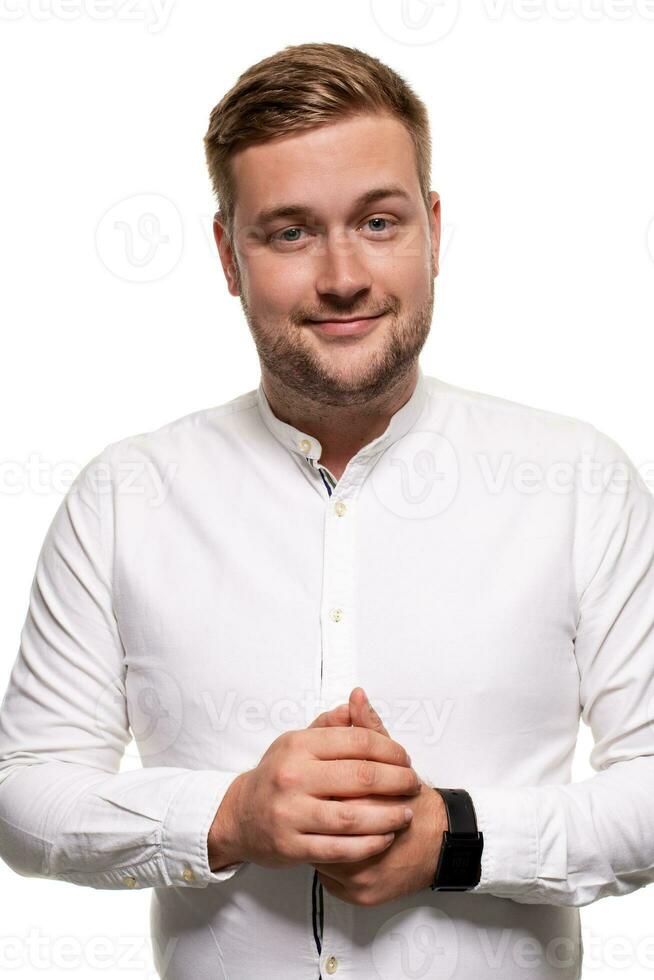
366,772
366,897
361,739
356,881
347,817
334,851
316,815
362,880
285,777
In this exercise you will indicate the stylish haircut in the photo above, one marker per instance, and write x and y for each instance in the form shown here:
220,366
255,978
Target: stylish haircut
301,87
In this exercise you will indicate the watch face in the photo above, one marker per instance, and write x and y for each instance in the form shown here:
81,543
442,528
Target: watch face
459,865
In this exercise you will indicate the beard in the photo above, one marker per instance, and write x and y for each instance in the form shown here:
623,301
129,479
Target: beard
295,365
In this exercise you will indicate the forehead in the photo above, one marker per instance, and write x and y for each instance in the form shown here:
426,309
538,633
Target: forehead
325,167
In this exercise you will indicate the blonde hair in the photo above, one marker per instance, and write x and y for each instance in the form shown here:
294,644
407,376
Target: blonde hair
300,87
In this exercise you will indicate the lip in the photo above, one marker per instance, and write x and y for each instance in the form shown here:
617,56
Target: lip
346,328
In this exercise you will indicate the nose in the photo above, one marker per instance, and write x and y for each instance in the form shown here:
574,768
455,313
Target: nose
342,271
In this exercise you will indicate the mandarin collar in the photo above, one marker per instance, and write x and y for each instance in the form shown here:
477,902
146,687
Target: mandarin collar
304,444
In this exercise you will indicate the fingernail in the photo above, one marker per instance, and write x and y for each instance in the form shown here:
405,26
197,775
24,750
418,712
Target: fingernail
407,814
408,759
389,838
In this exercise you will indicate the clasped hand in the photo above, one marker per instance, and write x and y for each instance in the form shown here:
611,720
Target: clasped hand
306,803
408,863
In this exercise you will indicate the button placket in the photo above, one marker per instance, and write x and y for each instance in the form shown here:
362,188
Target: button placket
338,636
339,653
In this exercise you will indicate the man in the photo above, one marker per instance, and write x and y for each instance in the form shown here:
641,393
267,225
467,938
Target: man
349,529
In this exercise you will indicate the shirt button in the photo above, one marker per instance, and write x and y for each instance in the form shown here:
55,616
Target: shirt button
187,874
340,508
336,615
331,965
129,882
305,445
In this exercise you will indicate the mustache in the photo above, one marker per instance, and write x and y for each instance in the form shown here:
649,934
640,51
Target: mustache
350,314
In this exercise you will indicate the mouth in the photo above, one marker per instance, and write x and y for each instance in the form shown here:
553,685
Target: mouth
346,328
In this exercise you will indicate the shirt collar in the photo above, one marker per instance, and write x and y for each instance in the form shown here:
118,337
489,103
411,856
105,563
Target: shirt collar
307,445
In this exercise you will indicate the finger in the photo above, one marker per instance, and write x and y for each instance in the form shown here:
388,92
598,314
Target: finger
358,705
340,715
386,800
362,712
355,743
326,849
332,817
336,887
358,777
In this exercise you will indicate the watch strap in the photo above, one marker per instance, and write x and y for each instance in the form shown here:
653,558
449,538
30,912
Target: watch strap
461,816
459,862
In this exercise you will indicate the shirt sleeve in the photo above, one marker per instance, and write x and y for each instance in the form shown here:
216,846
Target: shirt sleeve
575,843
66,812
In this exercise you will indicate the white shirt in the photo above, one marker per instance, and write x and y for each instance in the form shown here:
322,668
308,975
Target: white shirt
201,583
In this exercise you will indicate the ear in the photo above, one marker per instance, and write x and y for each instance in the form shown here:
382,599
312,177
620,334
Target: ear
227,257
435,228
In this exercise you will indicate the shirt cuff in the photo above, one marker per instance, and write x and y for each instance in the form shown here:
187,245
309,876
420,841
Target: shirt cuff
521,845
186,829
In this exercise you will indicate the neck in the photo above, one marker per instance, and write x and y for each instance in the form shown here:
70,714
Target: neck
342,430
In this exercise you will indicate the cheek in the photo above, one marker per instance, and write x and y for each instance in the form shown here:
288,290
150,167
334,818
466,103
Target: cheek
412,283
404,270
278,286
412,259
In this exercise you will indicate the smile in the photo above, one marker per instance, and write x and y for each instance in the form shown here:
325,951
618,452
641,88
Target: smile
346,328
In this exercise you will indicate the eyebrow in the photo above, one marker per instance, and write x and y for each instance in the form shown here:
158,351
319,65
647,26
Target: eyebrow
297,210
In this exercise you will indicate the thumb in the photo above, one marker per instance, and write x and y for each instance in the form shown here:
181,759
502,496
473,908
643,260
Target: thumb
362,712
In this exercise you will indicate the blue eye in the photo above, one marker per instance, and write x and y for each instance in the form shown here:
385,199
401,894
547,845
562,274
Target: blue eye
285,231
296,231
370,220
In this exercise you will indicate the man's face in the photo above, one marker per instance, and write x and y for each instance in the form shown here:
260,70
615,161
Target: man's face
336,258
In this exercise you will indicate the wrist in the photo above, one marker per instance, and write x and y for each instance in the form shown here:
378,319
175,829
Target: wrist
224,846
436,828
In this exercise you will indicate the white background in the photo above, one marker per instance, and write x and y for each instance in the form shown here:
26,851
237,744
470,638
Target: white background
543,156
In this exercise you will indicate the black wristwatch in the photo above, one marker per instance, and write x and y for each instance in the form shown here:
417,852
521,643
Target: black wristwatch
459,862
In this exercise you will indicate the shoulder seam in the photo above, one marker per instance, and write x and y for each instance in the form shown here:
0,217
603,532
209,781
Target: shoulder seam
437,387
241,403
